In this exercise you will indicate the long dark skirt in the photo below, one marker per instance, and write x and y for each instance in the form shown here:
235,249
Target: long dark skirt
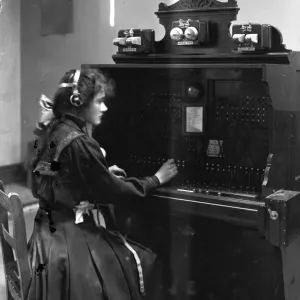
81,261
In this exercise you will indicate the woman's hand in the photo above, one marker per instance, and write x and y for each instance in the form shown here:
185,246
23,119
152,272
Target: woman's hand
118,172
167,171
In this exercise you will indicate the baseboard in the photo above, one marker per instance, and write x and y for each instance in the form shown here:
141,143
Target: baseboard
12,173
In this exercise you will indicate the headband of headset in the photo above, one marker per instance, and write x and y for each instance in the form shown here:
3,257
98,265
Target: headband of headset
75,97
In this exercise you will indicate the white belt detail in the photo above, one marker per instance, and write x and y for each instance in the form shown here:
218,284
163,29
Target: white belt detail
85,207
138,263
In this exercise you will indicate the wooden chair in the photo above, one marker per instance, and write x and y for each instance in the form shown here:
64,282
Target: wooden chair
17,270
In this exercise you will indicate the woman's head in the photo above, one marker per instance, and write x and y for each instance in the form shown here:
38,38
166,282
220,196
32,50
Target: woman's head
93,88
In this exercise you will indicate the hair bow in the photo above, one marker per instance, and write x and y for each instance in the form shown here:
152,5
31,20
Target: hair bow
46,113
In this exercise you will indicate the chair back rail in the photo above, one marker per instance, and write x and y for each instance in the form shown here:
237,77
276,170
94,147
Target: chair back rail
17,269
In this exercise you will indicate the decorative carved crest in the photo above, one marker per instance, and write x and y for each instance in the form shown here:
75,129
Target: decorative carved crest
196,4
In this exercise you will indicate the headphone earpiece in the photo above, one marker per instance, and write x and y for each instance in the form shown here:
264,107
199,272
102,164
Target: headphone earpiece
75,99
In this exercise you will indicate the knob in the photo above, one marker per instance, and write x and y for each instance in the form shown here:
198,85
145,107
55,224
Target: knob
251,38
134,41
191,33
273,214
119,41
239,38
176,34
193,91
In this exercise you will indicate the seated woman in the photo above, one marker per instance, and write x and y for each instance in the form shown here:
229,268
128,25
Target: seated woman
71,256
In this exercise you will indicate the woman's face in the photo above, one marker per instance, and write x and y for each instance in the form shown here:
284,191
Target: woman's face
93,113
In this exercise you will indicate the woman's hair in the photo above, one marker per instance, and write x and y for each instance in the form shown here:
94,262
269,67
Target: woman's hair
90,83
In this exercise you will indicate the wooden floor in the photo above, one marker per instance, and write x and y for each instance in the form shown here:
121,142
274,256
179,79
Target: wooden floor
30,208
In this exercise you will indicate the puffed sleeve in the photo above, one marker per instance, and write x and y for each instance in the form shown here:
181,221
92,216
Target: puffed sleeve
89,165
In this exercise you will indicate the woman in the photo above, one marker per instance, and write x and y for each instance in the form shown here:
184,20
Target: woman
72,254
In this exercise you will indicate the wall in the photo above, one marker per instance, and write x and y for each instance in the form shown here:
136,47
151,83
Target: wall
10,83
282,14
44,60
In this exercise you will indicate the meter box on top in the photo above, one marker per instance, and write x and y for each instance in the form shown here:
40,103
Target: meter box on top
200,28
254,37
135,41
189,32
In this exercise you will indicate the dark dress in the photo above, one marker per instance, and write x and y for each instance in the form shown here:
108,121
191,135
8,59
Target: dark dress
79,261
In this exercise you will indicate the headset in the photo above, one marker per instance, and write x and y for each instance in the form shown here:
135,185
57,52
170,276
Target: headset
75,99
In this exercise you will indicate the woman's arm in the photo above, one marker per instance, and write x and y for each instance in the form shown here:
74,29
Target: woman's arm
90,168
